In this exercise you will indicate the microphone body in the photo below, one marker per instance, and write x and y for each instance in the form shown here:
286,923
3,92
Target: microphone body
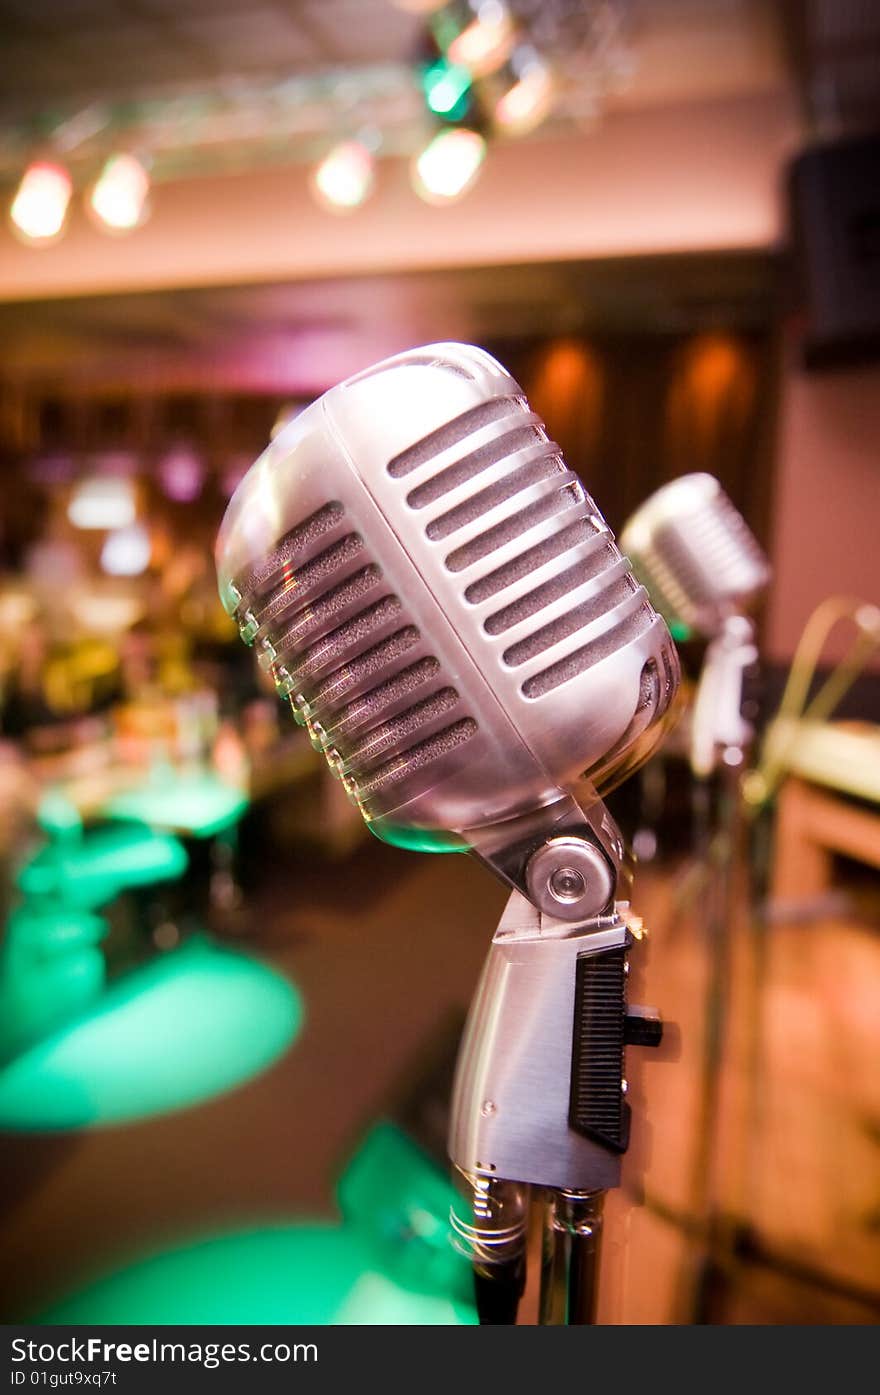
445,609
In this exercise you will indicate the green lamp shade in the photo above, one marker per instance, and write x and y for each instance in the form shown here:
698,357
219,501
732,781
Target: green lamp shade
307,1273
200,805
399,1200
391,1261
91,870
51,970
58,816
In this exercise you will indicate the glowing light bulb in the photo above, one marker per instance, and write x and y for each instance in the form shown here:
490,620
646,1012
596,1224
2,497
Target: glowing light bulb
527,100
118,198
127,551
483,45
448,165
39,208
344,178
102,502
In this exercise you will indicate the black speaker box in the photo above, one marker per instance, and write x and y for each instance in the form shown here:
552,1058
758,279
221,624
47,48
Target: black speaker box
834,213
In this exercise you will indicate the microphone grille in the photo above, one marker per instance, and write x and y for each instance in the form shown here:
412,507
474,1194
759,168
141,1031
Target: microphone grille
486,485
342,649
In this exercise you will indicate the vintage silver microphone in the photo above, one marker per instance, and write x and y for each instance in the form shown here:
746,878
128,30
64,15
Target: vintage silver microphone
704,569
445,609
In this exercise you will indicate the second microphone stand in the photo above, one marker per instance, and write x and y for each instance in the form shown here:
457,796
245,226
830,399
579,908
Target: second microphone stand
720,743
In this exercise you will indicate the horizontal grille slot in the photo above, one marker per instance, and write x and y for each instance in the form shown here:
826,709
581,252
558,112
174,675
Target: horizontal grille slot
551,591
374,702
417,757
573,620
590,654
358,669
299,540
299,582
473,464
338,643
451,433
326,607
512,527
533,558
532,472
384,737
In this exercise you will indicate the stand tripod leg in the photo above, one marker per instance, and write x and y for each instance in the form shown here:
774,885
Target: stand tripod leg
570,1258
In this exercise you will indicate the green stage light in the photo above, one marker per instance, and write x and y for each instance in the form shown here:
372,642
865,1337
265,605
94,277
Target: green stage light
191,1025
447,88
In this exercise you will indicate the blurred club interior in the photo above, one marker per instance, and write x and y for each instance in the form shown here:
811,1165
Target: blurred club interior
229,1017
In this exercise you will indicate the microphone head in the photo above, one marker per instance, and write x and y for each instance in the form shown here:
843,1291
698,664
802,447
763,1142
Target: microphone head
695,553
442,603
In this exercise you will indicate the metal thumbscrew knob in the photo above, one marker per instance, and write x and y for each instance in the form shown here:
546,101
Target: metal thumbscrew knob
569,878
567,884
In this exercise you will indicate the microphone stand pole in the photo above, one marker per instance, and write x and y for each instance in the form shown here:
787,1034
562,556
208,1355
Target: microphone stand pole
721,741
570,1258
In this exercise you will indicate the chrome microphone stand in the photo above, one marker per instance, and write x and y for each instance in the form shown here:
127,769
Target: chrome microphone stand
539,1096
720,742
570,1258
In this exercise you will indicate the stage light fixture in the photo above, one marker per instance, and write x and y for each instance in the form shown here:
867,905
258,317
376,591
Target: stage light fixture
475,34
448,165
446,88
39,208
345,176
118,198
528,93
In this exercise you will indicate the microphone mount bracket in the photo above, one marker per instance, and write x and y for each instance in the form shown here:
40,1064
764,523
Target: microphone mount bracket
567,858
